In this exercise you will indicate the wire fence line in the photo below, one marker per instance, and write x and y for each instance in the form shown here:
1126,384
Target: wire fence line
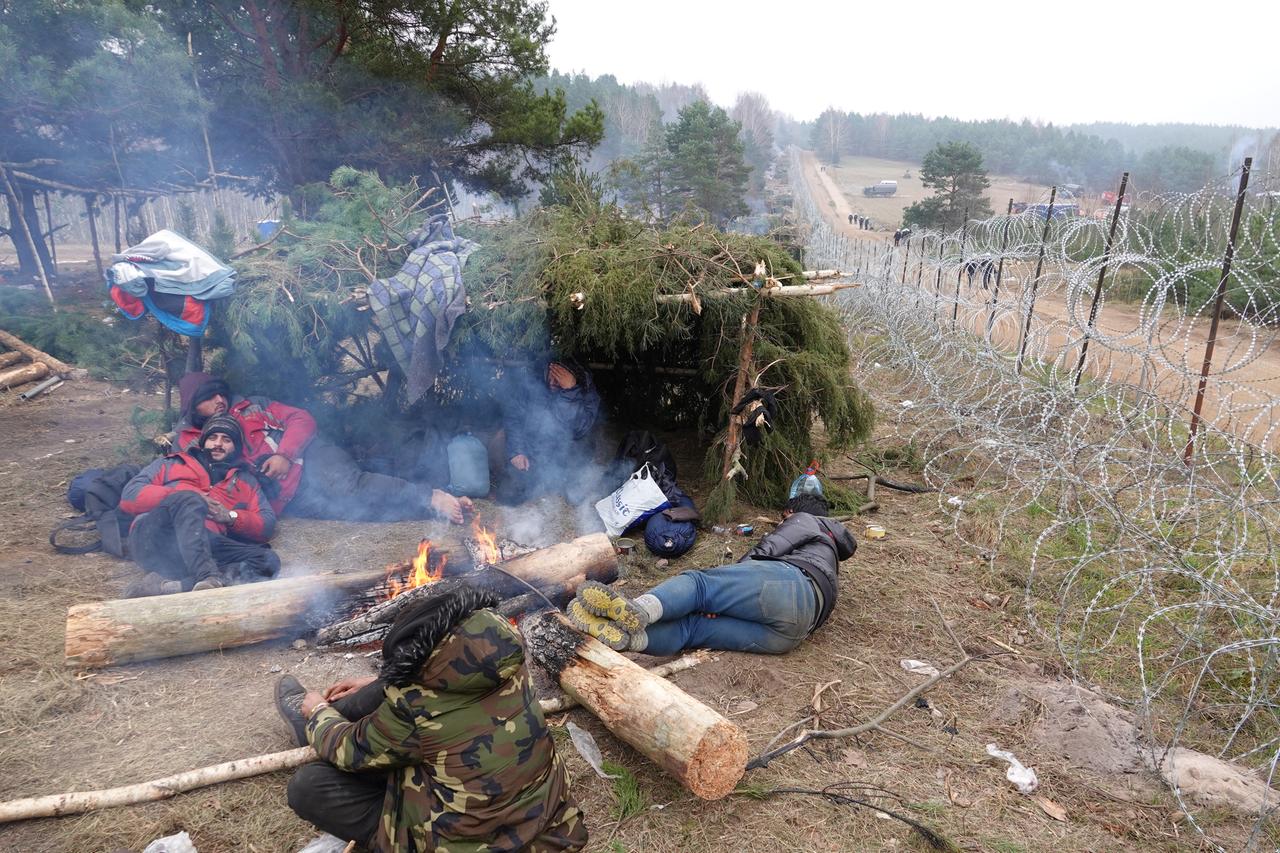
1153,561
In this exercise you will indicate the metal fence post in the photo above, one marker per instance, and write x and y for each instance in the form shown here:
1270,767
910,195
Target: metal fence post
1102,274
1035,281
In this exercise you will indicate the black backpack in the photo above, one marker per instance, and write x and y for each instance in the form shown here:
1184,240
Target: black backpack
103,526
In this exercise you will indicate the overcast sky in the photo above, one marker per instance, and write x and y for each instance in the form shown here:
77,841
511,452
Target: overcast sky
1122,60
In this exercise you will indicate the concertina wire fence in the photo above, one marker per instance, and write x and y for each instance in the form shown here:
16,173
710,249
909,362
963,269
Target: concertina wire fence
1155,576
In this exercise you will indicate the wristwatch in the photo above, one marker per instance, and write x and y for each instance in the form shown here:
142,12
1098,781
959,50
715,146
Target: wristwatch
234,515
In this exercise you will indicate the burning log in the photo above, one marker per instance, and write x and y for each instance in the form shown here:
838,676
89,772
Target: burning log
702,749
106,633
555,571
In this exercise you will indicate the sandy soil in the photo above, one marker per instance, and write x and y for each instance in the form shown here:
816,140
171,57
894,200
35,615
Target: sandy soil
1243,383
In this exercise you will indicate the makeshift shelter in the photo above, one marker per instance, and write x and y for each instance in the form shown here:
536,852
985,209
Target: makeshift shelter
675,324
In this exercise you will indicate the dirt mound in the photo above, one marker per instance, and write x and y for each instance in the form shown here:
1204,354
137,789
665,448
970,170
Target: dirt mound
1092,734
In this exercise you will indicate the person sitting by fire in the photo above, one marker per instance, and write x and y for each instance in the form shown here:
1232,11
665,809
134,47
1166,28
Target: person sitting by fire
312,477
548,425
446,750
768,602
203,520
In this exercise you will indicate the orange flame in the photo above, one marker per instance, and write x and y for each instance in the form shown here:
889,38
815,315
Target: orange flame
420,574
487,541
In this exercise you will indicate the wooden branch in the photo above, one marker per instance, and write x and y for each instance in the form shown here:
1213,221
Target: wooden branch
898,487
785,291
8,359
821,274
734,437
852,731
15,343
78,802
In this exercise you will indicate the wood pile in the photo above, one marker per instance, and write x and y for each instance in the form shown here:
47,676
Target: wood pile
22,364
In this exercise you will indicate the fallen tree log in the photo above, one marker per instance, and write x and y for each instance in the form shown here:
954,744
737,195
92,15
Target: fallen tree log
9,359
782,292
78,802
18,376
692,742
555,571
106,633
16,344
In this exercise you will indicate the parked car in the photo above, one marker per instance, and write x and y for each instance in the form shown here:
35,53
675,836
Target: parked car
884,188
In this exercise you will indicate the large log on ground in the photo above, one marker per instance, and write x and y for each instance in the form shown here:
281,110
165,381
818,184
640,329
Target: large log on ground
106,633
22,375
692,742
13,342
9,359
555,571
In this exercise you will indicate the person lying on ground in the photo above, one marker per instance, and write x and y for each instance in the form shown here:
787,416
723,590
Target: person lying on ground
547,426
203,520
769,602
302,473
446,750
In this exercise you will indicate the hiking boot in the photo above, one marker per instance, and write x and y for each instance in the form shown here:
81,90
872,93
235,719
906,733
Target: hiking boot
610,633
610,604
289,695
211,582
152,584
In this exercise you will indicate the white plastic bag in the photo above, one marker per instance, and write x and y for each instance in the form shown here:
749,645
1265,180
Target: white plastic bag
634,501
1022,777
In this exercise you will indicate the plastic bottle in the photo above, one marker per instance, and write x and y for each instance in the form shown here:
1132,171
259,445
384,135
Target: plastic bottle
807,483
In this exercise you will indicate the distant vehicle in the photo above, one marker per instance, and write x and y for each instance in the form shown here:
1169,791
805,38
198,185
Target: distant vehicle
884,188
1041,210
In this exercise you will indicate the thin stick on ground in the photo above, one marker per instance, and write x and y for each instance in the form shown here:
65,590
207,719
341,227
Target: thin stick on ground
763,759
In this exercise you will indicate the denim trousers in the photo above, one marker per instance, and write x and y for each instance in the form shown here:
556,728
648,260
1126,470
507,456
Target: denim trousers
762,606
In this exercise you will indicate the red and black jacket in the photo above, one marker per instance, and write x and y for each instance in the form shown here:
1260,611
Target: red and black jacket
269,428
255,520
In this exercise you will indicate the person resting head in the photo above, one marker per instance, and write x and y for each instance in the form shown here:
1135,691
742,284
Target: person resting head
815,505
203,396
222,439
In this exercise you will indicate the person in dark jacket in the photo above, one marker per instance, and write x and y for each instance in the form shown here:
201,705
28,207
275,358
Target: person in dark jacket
446,750
203,521
311,477
547,425
768,602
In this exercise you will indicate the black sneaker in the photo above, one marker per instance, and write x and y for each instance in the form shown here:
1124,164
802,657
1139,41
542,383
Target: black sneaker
289,695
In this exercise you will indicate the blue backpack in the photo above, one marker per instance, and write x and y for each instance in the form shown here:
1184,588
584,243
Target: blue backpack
665,537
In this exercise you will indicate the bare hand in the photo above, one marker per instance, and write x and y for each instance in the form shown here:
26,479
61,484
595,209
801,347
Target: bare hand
346,687
561,377
310,701
276,466
520,462
217,511
447,505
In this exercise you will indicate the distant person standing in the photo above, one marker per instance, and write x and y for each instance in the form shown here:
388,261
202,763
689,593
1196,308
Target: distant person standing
850,218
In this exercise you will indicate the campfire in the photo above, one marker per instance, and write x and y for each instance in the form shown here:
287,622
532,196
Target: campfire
423,569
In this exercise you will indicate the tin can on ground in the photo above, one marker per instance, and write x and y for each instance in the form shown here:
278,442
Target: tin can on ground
874,531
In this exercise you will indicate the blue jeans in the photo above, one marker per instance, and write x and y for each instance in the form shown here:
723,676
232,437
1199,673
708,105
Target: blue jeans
762,606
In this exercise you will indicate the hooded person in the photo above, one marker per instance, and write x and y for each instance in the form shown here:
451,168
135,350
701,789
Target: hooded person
303,473
202,519
769,602
446,750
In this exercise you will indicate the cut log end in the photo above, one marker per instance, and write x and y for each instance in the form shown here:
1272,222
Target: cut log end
717,764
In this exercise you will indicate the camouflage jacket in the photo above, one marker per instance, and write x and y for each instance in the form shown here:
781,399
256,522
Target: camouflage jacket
472,766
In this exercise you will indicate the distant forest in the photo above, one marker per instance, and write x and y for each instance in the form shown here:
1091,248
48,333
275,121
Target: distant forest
1162,157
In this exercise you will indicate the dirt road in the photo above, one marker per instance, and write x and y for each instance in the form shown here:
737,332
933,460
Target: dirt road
1244,381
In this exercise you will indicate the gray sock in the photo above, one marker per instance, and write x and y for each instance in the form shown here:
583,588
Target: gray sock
650,606
639,641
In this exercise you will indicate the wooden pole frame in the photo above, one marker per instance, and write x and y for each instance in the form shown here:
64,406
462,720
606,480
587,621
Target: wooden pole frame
1035,280
26,233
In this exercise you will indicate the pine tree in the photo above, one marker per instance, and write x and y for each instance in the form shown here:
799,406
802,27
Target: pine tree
953,170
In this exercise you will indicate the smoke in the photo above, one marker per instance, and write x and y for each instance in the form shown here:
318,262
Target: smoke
1245,146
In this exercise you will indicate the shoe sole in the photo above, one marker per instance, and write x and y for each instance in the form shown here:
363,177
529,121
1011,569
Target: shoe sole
603,601
609,633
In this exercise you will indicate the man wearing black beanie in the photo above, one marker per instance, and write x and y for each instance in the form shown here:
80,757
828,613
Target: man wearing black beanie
203,520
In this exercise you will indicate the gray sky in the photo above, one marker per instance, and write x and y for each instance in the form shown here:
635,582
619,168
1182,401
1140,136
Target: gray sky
1173,66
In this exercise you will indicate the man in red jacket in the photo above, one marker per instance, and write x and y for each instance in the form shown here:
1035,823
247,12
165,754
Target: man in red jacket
312,477
202,519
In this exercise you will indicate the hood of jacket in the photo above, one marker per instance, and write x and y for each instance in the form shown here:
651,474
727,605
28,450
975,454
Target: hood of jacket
450,642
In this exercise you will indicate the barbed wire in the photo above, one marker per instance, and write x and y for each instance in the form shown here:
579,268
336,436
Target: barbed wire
1153,565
